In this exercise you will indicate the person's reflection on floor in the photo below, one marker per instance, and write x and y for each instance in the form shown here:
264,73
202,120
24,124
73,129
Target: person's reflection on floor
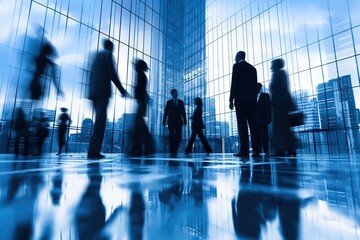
24,204
136,215
56,190
246,211
288,207
90,214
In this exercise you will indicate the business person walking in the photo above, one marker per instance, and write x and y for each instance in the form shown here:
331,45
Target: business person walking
197,126
102,73
243,94
175,117
263,118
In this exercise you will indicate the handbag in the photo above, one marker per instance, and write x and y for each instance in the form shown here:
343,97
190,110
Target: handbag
296,119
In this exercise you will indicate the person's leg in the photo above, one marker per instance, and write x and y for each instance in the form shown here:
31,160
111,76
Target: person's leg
254,133
204,141
16,146
61,139
26,143
265,139
172,139
243,130
191,142
96,140
178,137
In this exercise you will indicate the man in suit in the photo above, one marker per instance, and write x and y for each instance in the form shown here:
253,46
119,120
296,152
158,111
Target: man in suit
176,118
263,118
243,94
102,73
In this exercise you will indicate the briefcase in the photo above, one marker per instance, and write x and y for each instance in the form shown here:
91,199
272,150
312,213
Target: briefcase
296,119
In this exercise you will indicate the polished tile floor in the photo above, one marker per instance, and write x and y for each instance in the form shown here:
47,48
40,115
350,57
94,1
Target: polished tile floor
188,197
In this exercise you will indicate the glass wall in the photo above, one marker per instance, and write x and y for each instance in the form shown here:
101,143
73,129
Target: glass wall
319,41
148,30
189,45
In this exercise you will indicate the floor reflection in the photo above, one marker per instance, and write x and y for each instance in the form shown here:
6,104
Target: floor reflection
196,197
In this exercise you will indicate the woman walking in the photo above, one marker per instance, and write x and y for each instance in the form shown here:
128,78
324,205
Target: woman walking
197,127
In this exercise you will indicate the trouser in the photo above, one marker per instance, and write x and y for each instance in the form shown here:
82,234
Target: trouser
175,135
62,132
96,140
202,139
246,114
264,137
141,132
26,143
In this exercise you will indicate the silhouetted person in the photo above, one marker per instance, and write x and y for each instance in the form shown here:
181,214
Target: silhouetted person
175,115
197,127
64,122
136,215
22,131
42,62
263,118
42,132
243,93
102,73
90,214
283,140
141,132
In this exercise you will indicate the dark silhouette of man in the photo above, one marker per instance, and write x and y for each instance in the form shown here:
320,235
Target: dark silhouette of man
243,93
176,118
22,131
102,72
263,118
64,122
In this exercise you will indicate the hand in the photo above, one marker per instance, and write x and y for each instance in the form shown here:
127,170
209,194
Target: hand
231,106
126,95
164,124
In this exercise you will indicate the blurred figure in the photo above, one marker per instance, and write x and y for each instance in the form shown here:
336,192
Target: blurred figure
141,132
90,213
22,131
283,139
103,72
243,92
175,117
136,215
42,62
42,132
263,118
197,128
64,122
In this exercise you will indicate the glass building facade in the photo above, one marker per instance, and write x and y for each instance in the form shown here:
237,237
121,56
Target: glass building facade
190,46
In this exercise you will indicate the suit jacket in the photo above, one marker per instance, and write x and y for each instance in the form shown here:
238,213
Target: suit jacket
197,121
263,109
102,73
175,115
243,83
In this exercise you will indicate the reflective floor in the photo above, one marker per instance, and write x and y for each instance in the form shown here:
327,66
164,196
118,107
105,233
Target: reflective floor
193,197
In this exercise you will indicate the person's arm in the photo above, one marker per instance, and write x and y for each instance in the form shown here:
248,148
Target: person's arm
183,113
166,113
114,76
233,87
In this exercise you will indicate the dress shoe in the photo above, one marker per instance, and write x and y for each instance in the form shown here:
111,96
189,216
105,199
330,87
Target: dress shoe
208,152
241,155
255,155
291,154
96,156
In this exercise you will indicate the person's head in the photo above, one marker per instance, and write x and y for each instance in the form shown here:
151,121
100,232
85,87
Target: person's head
63,109
198,102
240,56
141,66
277,64
174,93
108,45
48,50
259,86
